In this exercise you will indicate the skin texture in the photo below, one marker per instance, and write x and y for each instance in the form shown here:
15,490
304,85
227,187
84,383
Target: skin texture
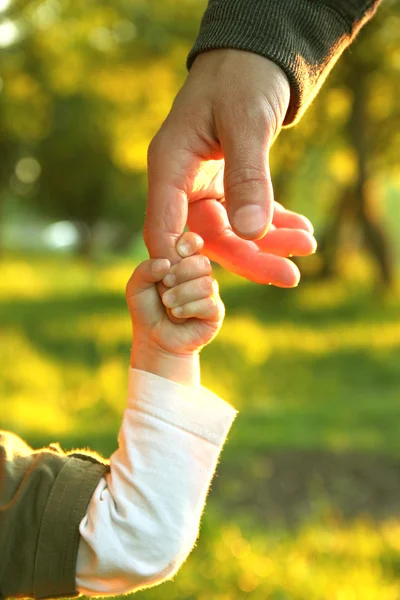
209,165
170,347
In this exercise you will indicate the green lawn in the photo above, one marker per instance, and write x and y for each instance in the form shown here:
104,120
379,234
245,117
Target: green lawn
305,501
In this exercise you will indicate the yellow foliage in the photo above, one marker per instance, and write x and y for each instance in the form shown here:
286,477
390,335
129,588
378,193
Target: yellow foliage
383,101
21,280
343,166
249,335
22,87
322,561
111,379
149,92
338,104
31,388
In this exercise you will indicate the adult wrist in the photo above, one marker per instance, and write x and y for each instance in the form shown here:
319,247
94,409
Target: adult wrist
289,34
179,368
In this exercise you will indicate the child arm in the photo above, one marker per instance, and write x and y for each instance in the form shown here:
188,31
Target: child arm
143,519
81,525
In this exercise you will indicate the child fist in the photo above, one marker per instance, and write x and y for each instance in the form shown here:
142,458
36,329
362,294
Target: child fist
191,296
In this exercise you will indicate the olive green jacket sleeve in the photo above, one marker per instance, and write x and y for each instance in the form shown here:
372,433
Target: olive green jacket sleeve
44,495
304,37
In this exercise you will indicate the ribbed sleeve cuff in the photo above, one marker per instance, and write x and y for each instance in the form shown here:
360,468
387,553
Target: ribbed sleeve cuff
202,413
303,37
55,566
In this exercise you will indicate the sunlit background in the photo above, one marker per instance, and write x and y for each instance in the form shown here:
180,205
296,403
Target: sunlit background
306,503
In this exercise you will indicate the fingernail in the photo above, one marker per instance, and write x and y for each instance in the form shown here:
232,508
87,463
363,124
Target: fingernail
177,311
184,249
168,299
169,280
250,219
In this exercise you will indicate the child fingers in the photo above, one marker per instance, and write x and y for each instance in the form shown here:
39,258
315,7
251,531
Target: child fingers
210,309
187,269
190,291
146,275
189,243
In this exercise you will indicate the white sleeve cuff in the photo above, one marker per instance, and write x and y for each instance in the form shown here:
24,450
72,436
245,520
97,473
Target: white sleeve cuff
202,413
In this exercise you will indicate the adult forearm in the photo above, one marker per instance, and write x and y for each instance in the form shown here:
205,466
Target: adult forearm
304,37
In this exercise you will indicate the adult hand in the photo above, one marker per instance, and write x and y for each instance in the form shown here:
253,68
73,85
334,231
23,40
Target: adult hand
208,166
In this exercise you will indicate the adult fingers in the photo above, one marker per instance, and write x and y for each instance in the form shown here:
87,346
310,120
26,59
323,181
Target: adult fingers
209,219
290,220
288,242
245,259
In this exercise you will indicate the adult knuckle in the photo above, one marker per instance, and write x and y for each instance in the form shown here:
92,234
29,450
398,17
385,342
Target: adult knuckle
245,175
248,108
269,118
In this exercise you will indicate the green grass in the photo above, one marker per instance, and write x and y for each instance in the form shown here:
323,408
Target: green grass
305,501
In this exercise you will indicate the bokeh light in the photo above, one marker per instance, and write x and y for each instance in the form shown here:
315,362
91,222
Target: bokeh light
305,502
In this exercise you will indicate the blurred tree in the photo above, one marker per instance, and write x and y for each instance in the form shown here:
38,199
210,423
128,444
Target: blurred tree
346,145
85,87
75,168
358,201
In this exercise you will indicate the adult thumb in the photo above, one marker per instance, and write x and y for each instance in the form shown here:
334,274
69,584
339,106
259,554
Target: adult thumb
249,193
245,135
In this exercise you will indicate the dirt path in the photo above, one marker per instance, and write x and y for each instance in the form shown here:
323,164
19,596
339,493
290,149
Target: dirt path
290,487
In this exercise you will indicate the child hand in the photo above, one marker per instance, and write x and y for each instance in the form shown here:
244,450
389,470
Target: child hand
192,295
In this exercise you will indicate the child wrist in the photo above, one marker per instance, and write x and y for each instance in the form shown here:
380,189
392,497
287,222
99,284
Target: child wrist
183,369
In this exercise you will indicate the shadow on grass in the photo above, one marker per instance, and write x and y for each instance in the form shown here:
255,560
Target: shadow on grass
286,488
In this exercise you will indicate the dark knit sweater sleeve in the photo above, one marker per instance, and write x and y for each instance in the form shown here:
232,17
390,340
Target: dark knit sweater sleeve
304,37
